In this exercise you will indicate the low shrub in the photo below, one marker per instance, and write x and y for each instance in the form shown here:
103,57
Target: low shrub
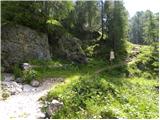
105,97
17,71
29,75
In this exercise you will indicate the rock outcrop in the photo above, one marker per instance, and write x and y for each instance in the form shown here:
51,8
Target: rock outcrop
20,44
66,46
70,47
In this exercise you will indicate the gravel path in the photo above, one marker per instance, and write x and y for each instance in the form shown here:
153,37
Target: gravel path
26,104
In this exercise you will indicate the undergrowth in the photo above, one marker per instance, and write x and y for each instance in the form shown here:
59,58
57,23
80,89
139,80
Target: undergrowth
109,94
146,63
106,97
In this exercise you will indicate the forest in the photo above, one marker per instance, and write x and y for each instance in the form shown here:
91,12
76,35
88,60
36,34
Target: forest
78,60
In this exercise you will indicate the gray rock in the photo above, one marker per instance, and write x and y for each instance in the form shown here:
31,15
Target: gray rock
19,80
20,44
69,47
8,77
28,88
53,107
35,83
141,66
12,87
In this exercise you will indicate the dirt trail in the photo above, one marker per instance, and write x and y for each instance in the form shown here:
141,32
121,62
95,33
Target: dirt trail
25,104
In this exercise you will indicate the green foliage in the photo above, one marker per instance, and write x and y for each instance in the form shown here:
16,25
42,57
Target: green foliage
54,22
2,77
26,75
17,71
84,17
29,75
59,10
115,28
146,64
35,14
90,50
105,95
144,27
32,15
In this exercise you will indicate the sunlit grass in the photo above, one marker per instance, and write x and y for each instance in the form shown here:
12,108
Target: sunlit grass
102,97
109,94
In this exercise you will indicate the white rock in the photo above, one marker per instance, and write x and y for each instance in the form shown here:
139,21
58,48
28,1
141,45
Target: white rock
12,87
26,66
18,90
27,88
35,83
56,102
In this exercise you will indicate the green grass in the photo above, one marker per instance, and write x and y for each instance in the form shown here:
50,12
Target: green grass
60,68
146,63
106,97
129,47
109,94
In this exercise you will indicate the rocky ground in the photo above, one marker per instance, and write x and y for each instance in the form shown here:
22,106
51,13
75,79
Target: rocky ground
23,102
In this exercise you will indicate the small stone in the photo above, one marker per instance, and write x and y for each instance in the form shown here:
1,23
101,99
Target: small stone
19,80
141,66
129,75
26,66
60,79
35,83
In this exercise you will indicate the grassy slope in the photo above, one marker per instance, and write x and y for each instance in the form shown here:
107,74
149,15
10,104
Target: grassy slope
107,95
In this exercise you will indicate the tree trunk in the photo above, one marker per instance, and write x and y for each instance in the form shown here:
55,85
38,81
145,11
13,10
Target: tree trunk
102,15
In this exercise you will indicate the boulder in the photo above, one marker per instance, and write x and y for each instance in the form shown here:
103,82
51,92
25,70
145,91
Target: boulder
53,107
28,88
12,87
69,47
35,83
20,44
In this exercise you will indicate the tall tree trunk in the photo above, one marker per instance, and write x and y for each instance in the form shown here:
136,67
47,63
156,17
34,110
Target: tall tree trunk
102,15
